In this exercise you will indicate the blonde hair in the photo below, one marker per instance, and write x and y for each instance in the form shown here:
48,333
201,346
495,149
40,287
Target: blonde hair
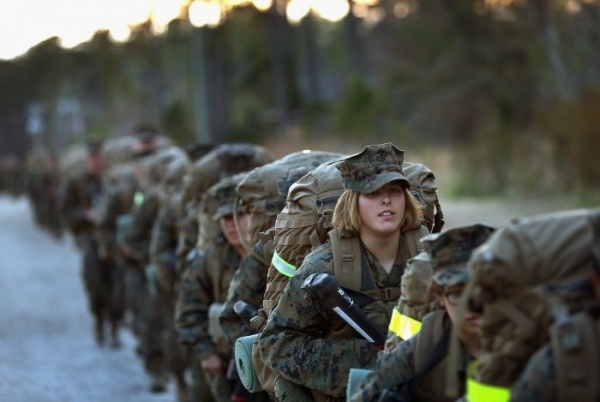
346,217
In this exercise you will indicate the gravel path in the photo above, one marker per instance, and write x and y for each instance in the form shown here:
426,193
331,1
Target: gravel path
47,352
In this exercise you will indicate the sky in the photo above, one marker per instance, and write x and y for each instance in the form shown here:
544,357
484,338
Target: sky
25,23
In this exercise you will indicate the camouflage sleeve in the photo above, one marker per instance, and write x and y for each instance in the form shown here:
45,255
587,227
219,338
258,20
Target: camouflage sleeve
191,310
393,368
294,342
248,284
163,246
537,383
72,213
141,228
188,235
108,211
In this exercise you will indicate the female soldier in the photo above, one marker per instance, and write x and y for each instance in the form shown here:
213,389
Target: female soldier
304,342
416,368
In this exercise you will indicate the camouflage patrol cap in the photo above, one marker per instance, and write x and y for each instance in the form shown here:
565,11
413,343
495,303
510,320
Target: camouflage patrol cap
450,251
94,146
225,194
370,169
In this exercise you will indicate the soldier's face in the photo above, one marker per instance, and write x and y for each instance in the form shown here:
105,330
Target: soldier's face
95,162
382,211
450,300
230,231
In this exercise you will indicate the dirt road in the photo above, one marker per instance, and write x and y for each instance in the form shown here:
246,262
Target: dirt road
47,353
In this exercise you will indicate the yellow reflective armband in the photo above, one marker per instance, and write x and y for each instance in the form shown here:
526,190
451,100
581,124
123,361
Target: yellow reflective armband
284,267
403,326
480,392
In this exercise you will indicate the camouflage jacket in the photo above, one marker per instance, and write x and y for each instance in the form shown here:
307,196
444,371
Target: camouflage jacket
163,245
206,281
248,284
79,193
187,233
307,343
116,201
538,381
407,358
143,217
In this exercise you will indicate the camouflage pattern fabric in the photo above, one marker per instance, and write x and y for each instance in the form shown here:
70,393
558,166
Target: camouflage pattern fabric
403,363
216,265
78,194
307,343
196,294
450,250
163,245
537,383
370,169
248,284
147,315
162,252
141,228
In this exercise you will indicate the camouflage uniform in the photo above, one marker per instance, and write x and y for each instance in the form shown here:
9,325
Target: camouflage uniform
248,285
204,286
538,381
449,252
79,195
163,255
141,280
118,200
304,341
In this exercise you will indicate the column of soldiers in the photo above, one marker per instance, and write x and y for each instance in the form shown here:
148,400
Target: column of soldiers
173,238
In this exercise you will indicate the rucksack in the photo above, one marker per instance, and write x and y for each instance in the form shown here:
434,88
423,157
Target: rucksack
223,161
513,280
262,192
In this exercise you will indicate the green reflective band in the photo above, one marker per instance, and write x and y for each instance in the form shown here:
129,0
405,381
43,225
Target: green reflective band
138,198
479,392
403,326
284,267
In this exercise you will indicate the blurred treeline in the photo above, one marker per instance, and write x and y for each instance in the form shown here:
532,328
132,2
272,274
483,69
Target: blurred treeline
511,88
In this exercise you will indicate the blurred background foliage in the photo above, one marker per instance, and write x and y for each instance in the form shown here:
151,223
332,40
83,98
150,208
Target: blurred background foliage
510,89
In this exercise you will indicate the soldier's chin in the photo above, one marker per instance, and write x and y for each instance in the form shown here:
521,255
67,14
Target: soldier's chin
471,325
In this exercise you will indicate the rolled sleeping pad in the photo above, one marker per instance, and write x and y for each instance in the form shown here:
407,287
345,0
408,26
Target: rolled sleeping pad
355,377
244,363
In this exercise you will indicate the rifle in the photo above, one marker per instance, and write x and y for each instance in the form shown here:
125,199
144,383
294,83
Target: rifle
325,288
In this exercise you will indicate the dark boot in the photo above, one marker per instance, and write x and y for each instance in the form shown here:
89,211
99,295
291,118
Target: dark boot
99,329
115,341
183,391
156,371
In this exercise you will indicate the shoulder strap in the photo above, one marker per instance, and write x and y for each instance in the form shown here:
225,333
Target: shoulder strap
577,357
347,264
413,240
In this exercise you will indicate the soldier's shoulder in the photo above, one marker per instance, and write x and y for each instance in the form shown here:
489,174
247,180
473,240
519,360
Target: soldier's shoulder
537,382
323,251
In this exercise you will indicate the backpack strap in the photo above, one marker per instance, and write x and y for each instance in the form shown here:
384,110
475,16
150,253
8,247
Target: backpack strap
577,357
413,240
405,391
347,260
